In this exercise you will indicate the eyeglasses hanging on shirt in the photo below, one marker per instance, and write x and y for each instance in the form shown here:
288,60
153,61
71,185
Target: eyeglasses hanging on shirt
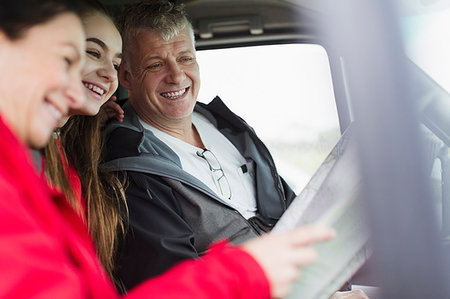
220,180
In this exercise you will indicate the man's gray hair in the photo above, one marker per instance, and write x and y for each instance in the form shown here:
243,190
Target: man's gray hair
162,16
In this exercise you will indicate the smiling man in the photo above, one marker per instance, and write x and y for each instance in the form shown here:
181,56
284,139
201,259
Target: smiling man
163,81
195,173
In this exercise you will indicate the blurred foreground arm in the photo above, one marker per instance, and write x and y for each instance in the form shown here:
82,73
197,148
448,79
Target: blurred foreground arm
263,267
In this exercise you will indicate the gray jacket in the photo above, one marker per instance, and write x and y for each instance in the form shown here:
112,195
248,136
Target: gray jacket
173,215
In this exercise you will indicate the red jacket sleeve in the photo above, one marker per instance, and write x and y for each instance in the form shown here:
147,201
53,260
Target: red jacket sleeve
224,272
46,252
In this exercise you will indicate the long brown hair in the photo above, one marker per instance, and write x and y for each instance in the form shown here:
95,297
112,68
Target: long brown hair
80,146
56,171
103,192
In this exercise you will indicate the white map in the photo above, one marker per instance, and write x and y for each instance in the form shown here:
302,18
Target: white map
331,198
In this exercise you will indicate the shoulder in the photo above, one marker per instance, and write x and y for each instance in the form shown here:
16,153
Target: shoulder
220,115
150,193
122,142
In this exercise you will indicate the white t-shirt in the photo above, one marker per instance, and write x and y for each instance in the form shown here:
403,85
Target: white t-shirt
239,173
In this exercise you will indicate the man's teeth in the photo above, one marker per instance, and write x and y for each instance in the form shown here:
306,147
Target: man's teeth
54,112
174,94
94,88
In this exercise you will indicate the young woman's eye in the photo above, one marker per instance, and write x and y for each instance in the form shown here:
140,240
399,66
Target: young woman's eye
93,53
116,67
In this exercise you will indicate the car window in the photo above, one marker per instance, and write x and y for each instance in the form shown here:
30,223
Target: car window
285,93
427,40
427,44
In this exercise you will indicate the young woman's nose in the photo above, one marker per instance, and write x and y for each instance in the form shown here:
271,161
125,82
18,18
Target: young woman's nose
109,72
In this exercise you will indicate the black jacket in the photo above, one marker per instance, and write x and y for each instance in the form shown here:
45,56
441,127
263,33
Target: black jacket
174,216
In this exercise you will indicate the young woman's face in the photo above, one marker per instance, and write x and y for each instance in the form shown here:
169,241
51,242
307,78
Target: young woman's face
41,77
103,57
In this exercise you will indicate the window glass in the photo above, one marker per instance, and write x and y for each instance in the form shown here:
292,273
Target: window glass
285,93
427,43
427,40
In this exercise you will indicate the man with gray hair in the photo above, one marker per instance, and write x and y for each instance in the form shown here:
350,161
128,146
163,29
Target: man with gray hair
195,173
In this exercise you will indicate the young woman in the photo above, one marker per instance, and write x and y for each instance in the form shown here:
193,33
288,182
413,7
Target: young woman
72,157
45,249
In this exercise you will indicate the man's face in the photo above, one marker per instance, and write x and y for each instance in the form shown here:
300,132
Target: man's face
162,77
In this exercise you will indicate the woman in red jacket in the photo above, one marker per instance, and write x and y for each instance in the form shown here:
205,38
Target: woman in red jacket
45,250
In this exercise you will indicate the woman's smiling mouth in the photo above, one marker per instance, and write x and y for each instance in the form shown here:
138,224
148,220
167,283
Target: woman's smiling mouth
98,91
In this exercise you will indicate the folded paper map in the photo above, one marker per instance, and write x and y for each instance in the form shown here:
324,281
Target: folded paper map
332,198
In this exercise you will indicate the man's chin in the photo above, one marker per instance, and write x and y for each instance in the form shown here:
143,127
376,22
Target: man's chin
179,115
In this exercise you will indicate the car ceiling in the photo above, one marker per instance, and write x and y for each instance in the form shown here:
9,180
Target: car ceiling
225,23
219,23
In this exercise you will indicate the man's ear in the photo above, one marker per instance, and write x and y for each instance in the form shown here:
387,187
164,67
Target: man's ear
124,77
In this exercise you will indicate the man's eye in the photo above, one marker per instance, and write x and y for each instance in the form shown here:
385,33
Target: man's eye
154,66
187,59
93,53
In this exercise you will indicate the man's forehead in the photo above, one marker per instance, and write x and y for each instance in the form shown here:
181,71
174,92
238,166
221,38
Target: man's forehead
151,41
147,32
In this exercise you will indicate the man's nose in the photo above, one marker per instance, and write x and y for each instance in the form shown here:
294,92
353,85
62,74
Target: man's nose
176,73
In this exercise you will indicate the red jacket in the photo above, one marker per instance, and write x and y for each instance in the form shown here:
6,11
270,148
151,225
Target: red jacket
46,252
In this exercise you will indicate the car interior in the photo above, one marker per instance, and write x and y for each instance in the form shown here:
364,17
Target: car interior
301,71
